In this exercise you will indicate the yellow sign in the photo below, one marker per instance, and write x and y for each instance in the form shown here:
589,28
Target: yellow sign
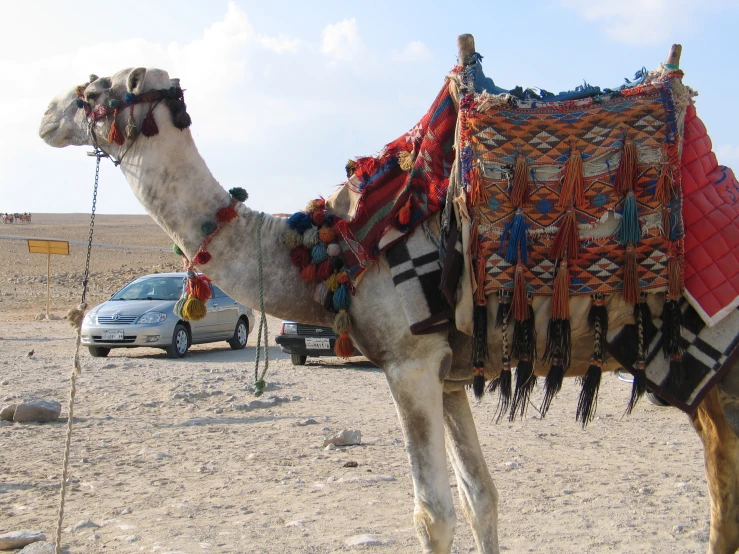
48,247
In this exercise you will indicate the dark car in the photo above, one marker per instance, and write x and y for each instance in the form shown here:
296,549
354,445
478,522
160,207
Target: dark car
301,340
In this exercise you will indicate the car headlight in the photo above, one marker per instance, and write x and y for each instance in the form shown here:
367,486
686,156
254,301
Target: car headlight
152,317
290,328
90,318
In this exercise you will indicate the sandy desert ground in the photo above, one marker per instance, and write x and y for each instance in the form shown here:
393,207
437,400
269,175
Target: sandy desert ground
166,457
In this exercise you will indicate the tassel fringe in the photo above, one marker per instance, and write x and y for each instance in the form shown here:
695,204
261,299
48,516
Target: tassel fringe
629,229
520,194
525,383
573,192
587,403
631,276
626,174
515,233
566,243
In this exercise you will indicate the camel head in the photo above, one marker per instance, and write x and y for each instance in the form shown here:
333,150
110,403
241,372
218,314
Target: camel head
83,115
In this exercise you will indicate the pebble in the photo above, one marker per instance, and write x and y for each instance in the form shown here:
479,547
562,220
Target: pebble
84,524
366,540
512,465
678,528
309,421
37,410
39,548
296,523
345,437
19,539
7,411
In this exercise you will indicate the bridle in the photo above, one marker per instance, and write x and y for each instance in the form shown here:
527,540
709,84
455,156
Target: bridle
173,97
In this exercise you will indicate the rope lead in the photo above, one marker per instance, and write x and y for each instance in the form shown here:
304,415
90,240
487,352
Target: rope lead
259,383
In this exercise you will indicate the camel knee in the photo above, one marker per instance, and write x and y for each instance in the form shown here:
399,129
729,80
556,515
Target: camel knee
730,407
435,529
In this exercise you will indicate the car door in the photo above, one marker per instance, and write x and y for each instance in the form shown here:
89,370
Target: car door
228,311
207,329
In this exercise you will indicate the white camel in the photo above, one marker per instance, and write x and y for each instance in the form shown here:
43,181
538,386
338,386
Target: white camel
427,374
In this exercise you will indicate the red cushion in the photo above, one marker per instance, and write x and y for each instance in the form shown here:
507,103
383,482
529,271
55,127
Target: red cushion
711,216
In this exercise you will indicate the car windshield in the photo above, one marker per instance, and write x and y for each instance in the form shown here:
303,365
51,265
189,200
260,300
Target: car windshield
151,288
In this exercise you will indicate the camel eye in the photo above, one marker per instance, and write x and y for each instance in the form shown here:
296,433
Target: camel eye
92,96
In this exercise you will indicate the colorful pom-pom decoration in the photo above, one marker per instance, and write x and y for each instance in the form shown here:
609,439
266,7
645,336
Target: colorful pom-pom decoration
342,298
114,103
300,222
344,347
319,254
300,257
292,239
80,103
332,283
310,237
308,273
208,227
333,249
324,270
193,309
129,98
177,250
239,194
202,257
199,287
327,235
318,217
224,215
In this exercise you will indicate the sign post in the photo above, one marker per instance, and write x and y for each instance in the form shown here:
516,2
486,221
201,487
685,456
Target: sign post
48,247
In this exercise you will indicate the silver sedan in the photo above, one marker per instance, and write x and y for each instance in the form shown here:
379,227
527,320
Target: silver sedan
142,314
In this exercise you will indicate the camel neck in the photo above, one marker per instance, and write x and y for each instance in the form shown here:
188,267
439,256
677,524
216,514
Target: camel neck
172,181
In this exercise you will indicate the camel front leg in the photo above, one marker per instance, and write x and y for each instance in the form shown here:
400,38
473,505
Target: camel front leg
477,492
721,451
416,386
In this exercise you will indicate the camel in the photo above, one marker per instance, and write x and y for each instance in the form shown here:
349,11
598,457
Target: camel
427,374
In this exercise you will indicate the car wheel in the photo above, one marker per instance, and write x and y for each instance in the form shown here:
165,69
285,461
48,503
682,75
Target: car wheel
241,333
180,342
98,351
297,359
656,400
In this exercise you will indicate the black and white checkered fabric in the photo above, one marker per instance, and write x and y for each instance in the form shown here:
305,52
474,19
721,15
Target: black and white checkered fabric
709,352
416,270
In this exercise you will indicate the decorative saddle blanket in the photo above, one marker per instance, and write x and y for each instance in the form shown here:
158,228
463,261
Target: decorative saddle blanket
584,183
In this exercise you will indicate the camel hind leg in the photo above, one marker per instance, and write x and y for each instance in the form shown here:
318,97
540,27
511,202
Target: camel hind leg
477,493
721,451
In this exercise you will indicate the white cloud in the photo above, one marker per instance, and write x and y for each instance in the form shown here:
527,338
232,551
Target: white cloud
341,40
643,22
280,45
415,51
728,154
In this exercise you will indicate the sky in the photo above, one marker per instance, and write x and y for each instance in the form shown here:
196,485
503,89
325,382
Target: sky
282,93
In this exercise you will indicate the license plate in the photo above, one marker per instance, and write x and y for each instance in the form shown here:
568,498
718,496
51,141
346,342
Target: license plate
112,334
317,344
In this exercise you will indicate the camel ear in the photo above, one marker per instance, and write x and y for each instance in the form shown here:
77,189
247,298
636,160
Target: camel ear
135,82
93,78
